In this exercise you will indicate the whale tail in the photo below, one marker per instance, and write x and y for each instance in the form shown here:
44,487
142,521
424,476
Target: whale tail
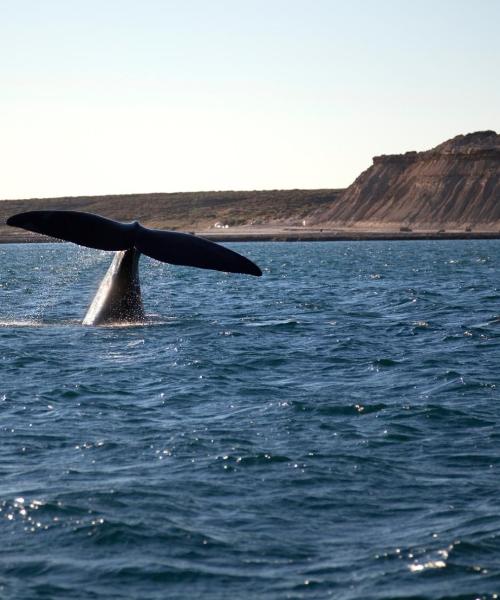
172,247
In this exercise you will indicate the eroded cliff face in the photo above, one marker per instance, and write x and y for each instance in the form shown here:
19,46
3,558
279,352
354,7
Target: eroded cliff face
453,186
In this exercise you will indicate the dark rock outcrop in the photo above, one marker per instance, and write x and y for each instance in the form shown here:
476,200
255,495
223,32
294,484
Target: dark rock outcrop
453,186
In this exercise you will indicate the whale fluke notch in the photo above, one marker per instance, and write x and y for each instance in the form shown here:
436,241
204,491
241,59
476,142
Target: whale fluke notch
94,231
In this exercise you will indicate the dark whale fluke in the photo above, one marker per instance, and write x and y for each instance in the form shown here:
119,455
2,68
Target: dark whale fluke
118,298
98,232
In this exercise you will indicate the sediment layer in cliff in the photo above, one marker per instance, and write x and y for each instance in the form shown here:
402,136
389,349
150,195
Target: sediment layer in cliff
455,185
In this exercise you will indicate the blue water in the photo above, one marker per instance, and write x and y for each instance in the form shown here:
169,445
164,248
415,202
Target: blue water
328,430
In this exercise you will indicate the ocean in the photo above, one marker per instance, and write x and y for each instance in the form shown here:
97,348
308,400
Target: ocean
330,429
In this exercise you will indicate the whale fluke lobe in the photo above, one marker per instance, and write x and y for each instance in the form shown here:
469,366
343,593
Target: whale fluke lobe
118,298
191,251
85,229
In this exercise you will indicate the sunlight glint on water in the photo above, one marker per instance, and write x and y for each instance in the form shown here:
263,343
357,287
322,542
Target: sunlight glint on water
330,429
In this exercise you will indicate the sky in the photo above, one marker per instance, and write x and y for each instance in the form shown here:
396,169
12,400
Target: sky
121,96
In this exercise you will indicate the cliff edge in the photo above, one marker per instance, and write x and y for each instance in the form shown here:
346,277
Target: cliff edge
455,185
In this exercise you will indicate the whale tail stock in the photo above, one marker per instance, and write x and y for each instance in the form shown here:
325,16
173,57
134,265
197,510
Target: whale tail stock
172,247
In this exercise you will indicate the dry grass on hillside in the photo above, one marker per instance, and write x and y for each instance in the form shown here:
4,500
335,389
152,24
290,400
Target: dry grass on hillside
186,211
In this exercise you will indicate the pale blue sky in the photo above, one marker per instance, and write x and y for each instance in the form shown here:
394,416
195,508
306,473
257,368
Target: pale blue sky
126,96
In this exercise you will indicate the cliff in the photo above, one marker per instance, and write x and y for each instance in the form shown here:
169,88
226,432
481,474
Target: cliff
455,185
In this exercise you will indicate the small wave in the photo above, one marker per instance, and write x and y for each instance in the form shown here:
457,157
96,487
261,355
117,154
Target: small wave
274,323
148,322
21,323
385,363
259,459
338,410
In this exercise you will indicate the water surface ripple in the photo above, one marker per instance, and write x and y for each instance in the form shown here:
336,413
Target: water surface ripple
329,430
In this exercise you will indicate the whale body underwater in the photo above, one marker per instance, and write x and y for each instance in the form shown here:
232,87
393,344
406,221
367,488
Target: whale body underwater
118,298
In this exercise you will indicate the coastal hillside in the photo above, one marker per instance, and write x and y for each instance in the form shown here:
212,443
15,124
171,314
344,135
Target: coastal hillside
454,186
190,211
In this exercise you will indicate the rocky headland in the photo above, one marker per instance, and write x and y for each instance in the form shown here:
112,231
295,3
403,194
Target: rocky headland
454,186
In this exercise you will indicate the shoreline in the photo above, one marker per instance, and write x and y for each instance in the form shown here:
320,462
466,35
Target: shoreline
294,235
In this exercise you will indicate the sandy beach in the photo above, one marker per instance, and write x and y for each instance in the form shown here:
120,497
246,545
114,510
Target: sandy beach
293,234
